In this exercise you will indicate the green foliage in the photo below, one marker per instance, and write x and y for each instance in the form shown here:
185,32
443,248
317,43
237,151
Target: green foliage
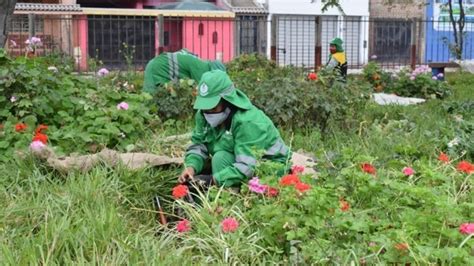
420,83
416,83
290,99
81,113
175,100
377,77
383,211
106,216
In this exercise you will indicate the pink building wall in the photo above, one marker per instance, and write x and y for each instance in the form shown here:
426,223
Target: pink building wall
140,3
205,46
82,41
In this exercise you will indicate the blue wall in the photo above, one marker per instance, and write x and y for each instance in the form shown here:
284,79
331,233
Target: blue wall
438,40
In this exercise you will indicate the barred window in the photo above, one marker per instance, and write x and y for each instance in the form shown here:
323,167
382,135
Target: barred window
20,23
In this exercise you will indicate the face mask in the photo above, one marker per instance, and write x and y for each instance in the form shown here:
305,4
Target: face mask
217,118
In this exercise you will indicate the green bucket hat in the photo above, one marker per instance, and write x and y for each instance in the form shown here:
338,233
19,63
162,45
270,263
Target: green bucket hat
216,85
338,43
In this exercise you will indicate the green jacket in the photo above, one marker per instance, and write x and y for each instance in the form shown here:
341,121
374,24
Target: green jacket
250,131
168,67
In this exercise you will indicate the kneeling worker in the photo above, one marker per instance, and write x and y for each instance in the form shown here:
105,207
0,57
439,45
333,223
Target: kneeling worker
228,131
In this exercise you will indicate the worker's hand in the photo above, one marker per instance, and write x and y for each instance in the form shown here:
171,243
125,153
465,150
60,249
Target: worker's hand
186,175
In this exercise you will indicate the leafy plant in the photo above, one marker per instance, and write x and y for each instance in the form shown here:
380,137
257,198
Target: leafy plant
377,77
175,100
420,83
80,115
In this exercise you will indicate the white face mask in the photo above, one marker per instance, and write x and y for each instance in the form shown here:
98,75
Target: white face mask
217,118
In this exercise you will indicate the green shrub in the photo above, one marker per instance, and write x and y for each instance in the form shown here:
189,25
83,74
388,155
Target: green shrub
175,100
290,99
377,77
81,113
420,83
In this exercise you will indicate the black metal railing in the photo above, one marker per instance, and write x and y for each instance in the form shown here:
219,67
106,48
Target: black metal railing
120,41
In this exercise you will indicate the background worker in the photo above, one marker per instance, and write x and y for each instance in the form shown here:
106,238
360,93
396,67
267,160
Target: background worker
168,67
337,59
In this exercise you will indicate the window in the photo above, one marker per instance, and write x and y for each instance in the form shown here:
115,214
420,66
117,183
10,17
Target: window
214,37
201,29
166,38
20,23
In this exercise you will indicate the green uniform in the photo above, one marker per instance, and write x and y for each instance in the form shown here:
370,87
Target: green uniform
232,149
337,61
174,66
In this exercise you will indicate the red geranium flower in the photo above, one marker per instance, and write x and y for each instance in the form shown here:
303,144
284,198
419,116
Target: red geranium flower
443,157
368,168
466,167
272,192
40,128
289,180
344,205
20,127
302,187
41,137
297,169
183,226
180,191
312,76
229,225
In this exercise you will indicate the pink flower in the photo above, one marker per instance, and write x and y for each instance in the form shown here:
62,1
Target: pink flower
440,75
255,186
408,171
37,146
412,78
102,72
183,226
122,106
297,169
229,225
434,78
466,228
34,41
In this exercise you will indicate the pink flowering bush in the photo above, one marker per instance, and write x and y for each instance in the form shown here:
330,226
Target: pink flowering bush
420,83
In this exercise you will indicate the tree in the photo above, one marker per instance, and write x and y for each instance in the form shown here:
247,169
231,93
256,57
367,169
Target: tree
458,28
330,3
6,11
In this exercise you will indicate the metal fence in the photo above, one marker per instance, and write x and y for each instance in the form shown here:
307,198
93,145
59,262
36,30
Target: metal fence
120,41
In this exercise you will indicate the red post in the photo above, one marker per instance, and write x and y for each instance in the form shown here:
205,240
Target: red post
413,57
317,56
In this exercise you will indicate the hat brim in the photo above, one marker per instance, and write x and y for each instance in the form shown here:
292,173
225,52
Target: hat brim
202,103
239,99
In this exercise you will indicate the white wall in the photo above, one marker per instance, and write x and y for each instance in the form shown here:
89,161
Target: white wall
305,7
